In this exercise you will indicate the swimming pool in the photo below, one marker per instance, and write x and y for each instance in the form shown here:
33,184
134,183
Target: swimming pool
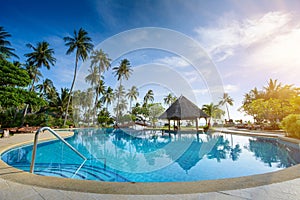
147,156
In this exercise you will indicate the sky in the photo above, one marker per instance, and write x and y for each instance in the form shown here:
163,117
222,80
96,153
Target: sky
238,44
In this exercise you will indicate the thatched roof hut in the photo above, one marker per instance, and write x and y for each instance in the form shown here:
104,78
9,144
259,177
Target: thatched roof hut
183,109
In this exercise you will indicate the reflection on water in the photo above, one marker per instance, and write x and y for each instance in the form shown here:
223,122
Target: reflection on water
271,152
144,151
147,156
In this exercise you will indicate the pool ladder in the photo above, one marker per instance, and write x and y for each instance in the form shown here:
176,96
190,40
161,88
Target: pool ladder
58,137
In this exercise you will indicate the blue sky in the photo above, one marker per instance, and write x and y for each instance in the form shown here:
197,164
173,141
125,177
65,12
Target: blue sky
249,42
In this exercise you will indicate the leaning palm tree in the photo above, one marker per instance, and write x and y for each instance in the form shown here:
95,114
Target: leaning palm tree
169,99
101,61
41,55
226,99
149,96
123,71
5,50
132,94
82,45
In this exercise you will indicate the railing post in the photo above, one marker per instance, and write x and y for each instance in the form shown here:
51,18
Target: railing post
34,150
58,137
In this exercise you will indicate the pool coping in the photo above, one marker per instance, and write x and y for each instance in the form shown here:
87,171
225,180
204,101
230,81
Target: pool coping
12,174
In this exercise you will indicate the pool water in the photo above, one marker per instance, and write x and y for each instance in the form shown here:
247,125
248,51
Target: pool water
149,156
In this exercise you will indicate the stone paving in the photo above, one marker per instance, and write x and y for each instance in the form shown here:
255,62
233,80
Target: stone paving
15,191
285,190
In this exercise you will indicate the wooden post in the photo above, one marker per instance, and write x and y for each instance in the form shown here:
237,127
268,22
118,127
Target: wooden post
174,125
169,124
197,128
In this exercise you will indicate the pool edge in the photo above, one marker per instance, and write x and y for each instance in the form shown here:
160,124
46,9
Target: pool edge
12,174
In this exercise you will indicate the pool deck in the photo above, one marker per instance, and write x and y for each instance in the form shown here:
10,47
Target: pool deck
16,184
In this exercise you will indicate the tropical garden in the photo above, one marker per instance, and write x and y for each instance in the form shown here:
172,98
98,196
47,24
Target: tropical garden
28,98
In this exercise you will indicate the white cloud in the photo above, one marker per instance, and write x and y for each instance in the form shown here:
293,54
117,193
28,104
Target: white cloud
231,88
172,61
201,91
282,54
223,40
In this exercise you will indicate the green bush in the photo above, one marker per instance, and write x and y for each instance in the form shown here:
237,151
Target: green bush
291,125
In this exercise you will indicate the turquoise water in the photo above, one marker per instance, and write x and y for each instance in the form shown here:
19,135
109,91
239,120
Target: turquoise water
149,156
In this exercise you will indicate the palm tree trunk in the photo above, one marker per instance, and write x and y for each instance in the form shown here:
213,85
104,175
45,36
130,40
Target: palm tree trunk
97,95
130,108
27,105
96,102
70,95
227,111
117,117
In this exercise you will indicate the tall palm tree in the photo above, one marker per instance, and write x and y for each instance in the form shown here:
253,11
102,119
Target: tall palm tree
108,97
5,50
101,61
82,45
132,94
123,71
149,96
169,99
41,55
226,99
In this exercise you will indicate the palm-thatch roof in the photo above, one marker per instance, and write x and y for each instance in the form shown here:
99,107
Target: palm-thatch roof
183,109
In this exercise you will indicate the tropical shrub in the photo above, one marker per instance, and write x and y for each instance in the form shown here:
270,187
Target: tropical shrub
291,124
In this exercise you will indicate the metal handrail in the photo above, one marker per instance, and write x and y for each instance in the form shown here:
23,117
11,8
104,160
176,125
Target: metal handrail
58,137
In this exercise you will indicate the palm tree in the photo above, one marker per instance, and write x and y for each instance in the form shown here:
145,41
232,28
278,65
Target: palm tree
108,97
93,79
149,97
132,94
45,87
226,99
101,61
169,99
121,107
100,88
58,104
80,43
5,50
273,88
41,55
213,111
34,74
93,76
123,71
